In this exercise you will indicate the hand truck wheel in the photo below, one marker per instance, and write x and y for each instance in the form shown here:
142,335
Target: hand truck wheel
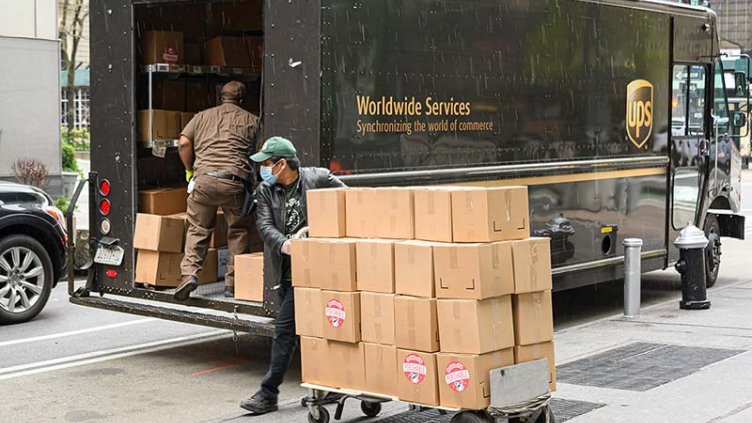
323,416
471,417
370,409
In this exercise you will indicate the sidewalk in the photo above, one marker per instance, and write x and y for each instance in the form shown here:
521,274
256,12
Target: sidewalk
669,365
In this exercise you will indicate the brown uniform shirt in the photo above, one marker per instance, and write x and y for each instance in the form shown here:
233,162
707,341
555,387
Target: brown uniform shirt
222,140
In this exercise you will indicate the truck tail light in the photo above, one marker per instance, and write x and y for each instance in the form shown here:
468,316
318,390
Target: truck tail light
112,274
104,187
104,207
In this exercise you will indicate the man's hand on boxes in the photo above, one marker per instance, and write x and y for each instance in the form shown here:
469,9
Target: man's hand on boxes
287,248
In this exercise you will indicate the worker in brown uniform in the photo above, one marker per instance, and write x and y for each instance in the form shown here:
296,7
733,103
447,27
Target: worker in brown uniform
215,148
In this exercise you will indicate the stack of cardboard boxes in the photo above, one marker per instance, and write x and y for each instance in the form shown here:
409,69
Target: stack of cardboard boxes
412,293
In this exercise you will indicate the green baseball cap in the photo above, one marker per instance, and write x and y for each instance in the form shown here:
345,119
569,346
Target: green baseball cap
275,147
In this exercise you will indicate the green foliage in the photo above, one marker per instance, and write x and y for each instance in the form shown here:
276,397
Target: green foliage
69,158
62,203
80,139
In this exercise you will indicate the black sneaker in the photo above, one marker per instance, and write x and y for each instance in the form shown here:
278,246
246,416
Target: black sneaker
183,292
258,404
229,292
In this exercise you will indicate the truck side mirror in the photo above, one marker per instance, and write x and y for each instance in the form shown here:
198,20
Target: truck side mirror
740,119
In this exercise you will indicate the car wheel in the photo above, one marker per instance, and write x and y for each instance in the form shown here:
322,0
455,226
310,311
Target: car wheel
26,278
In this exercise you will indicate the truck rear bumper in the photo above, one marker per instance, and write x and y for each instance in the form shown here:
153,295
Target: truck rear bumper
254,325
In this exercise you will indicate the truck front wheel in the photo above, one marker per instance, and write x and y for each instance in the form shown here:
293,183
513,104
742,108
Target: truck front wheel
713,250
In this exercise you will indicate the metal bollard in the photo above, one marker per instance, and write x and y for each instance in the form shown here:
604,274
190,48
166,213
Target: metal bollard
632,277
691,265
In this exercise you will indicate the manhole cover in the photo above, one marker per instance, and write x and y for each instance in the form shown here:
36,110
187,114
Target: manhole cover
430,416
568,409
640,366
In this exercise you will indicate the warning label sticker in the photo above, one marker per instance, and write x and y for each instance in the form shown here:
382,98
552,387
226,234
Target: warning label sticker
457,376
414,368
335,313
170,55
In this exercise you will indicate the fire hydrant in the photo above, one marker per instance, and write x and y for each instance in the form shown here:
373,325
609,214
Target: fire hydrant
691,244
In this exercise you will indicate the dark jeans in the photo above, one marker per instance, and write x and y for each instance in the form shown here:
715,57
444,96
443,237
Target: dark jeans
284,342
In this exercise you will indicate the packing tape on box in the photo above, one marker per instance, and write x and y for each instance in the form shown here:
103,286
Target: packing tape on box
469,201
453,259
534,260
431,203
496,256
508,204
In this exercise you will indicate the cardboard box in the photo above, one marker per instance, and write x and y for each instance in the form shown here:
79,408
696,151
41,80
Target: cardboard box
158,233
417,380
375,265
326,213
345,364
490,214
162,201
473,271
379,213
308,321
433,214
381,369
161,47
464,379
324,263
197,96
413,269
525,353
163,269
193,53
416,323
312,354
168,94
475,326
249,277
236,16
185,117
532,265
223,259
533,318
377,317
165,125
340,315
227,51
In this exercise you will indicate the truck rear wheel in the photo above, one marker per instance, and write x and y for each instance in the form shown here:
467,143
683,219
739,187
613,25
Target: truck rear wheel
713,250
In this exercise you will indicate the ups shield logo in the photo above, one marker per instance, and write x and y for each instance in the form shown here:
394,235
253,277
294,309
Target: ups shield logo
639,112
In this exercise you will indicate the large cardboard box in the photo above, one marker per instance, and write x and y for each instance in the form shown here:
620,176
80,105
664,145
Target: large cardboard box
158,233
197,96
433,213
308,321
490,214
326,213
464,378
162,201
414,269
380,213
227,51
313,360
324,263
532,265
416,323
417,380
163,269
169,94
340,315
533,318
475,326
165,125
345,363
249,277
377,317
161,47
193,53
473,271
375,265
525,353
381,369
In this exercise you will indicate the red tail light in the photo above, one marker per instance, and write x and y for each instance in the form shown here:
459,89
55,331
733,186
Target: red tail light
104,187
112,274
104,207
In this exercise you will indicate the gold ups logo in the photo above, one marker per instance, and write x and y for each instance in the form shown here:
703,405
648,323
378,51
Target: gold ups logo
639,112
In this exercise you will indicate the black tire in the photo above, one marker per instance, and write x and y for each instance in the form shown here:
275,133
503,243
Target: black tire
24,242
713,250
471,417
370,409
323,416
546,416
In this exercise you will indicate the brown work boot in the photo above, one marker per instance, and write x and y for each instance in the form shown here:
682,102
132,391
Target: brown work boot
229,291
183,291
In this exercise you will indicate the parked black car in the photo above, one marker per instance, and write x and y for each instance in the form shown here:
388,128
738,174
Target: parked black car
32,251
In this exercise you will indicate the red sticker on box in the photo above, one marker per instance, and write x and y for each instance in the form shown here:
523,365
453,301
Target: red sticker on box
335,313
414,368
170,54
457,376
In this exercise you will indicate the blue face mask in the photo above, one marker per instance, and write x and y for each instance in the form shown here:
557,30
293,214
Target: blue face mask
267,175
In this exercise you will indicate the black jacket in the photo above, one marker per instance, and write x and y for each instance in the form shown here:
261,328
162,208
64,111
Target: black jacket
270,213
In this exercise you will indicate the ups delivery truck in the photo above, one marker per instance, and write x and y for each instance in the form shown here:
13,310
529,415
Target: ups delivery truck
613,113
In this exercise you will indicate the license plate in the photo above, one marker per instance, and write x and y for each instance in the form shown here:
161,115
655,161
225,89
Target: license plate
111,256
